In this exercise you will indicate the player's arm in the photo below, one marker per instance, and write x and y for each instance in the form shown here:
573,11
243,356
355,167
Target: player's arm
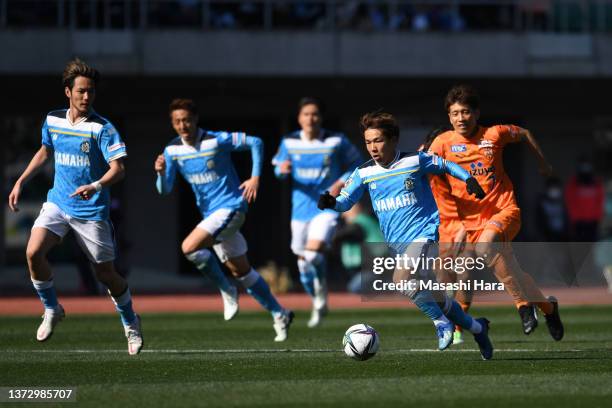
282,162
251,185
433,164
166,173
37,162
526,136
351,193
350,159
113,149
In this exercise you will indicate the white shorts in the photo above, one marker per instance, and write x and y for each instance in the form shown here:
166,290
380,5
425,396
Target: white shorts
224,225
319,228
96,238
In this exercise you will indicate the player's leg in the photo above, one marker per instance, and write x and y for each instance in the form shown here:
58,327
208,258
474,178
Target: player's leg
299,231
232,252
96,238
48,230
196,248
493,244
320,231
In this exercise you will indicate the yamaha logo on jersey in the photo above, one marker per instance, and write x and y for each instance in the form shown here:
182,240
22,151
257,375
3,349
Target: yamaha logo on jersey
210,164
409,184
85,147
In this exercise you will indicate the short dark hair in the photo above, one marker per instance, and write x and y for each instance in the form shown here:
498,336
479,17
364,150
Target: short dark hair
183,103
463,94
431,136
77,68
385,122
310,100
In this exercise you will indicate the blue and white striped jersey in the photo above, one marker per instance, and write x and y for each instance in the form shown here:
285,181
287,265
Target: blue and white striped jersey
401,195
208,168
316,165
82,151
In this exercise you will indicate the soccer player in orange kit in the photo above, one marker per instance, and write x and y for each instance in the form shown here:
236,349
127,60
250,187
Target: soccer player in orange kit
493,222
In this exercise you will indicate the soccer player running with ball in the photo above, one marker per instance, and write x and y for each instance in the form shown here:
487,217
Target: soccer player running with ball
203,158
88,155
493,222
317,160
408,216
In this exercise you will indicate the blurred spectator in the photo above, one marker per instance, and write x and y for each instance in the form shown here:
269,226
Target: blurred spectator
551,214
584,197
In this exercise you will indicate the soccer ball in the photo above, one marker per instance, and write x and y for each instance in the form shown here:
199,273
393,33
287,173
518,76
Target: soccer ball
360,342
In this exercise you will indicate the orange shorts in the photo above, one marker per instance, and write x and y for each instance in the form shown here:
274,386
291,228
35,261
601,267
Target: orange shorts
507,223
448,229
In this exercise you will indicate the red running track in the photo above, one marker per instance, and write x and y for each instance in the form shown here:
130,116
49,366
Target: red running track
25,306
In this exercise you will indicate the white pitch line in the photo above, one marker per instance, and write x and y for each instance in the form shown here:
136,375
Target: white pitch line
244,351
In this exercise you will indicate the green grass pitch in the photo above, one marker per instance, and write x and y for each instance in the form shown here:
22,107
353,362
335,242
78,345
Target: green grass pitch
200,360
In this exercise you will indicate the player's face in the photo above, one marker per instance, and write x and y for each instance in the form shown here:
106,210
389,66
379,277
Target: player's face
463,119
185,124
382,149
310,118
82,94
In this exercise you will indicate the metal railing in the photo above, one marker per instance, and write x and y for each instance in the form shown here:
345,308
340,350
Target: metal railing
320,15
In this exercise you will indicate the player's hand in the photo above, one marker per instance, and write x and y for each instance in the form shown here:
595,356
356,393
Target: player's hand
335,188
326,201
250,187
85,192
160,164
546,169
14,197
459,241
473,188
285,167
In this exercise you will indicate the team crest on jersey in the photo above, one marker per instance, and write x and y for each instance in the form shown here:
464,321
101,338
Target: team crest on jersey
54,136
372,186
85,147
210,164
409,184
458,148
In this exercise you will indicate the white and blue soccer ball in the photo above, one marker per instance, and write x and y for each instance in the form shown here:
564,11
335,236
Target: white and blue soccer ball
360,342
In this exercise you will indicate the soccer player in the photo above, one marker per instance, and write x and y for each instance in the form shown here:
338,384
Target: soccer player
203,158
492,223
317,159
88,155
408,216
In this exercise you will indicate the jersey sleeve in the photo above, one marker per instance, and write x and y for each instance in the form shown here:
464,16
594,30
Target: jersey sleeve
111,145
349,156
351,192
281,155
434,164
508,134
240,141
46,136
165,181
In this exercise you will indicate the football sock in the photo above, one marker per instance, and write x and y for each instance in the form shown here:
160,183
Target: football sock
257,287
46,293
307,276
316,260
456,315
204,260
426,304
123,304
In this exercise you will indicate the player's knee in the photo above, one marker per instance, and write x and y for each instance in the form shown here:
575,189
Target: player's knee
188,247
105,272
313,257
34,255
485,250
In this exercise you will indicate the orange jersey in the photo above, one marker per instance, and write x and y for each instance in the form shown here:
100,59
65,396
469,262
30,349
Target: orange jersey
449,219
481,156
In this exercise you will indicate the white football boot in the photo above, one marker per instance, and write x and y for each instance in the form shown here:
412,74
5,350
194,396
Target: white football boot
281,325
230,303
134,336
50,320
